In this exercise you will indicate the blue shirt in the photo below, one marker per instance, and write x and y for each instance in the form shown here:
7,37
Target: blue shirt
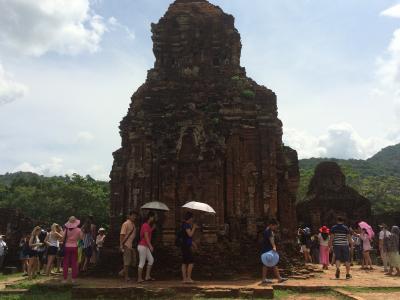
341,233
187,240
267,235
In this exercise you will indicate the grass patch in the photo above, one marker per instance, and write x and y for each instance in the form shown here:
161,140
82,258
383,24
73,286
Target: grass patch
5,277
36,291
371,289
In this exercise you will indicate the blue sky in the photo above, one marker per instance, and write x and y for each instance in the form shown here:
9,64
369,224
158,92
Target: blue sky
69,67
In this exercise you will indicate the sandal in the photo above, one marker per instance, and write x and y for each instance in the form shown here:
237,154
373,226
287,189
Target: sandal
150,279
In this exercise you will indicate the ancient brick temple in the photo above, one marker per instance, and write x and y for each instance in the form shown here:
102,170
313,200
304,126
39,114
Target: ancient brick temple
199,129
328,196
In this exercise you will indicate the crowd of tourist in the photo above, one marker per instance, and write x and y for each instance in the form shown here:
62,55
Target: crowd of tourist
76,246
47,251
345,245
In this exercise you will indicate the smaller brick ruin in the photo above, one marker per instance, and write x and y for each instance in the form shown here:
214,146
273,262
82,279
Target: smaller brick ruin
328,196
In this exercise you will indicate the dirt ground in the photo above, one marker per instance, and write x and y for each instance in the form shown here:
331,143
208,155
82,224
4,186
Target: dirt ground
361,278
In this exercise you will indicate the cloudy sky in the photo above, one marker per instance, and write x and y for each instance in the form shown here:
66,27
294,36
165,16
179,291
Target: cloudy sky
69,67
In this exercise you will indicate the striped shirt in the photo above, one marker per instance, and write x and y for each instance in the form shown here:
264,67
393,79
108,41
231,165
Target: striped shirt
340,233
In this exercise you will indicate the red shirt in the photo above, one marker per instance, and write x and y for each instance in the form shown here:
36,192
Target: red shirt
145,228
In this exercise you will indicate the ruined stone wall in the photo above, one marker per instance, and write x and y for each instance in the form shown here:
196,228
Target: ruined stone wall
199,129
14,225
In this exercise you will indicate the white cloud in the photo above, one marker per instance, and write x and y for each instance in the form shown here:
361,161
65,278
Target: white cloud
393,11
99,172
53,167
10,90
115,24
85,136
340,141
37,27
389,64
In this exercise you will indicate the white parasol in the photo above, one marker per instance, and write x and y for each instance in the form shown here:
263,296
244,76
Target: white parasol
156,205
199,206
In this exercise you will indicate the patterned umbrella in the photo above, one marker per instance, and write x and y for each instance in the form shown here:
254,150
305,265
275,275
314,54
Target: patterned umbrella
366,226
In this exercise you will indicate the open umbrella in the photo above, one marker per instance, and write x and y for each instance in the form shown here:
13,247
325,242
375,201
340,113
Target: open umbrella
199,206
366,226
156,205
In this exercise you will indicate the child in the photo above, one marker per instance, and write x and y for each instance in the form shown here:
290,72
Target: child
323,238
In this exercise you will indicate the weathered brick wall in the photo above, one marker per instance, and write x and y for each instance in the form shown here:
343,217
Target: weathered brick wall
199,129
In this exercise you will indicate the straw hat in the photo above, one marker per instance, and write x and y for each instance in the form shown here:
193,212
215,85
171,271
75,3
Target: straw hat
102,230
72,222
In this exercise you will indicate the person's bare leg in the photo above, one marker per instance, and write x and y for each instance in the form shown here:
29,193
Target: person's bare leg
276,273
264,273
189,273
348,268
184,272
126,273
49,264
148,272
140,275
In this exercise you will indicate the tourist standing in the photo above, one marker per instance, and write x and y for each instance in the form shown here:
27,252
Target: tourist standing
269,245
305,243
315,246
71,235
188,229
127,236
34,244
393,251
323,238
384,237
366,244
53,243
341,242
100,242
41,250
88,242
24,254
3,250
145,248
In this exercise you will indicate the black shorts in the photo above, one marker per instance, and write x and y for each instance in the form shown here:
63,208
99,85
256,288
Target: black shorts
187,255
32,253
52,250
88,252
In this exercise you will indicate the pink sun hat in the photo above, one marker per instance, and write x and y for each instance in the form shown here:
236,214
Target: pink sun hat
72,223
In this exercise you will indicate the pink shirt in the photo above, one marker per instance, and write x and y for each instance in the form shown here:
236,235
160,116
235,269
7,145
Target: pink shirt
366,241
145,228
73,236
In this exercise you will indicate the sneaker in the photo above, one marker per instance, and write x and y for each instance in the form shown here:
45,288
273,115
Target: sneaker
348,276
266,281
282,280
337,274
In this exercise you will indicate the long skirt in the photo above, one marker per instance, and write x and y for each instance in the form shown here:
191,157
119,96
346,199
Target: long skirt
324,255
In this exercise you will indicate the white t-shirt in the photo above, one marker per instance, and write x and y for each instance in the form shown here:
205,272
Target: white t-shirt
382,234
3,246
323,242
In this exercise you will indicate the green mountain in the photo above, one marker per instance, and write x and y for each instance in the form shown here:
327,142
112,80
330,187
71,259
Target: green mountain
377,178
